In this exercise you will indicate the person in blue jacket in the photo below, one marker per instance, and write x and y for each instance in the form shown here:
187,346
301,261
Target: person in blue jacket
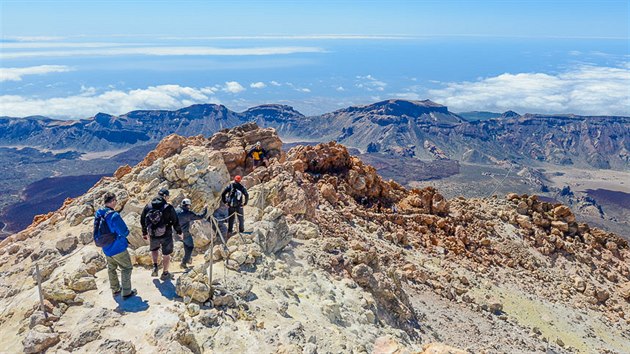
116,252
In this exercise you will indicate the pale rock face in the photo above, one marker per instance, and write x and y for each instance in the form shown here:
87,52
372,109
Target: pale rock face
132,220
194,285
272,232
67,244
39,339
202,233
304,230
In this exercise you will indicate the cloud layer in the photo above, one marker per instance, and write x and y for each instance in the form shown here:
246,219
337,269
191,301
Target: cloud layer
159,51
585,89
15,74
89,102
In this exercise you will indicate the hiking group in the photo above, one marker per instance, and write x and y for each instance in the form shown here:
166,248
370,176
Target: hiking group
158,220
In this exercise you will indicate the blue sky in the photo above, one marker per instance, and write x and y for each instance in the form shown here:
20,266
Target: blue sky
72,59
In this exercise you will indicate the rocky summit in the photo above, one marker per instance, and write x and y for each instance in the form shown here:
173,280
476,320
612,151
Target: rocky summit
334,259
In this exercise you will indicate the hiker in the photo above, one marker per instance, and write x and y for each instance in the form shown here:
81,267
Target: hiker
258,154
186,216
235,197
110,233
158,220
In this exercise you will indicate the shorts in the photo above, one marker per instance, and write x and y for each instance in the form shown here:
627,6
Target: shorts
166,243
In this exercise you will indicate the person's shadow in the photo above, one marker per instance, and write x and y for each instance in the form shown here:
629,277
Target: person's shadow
132,304
166,288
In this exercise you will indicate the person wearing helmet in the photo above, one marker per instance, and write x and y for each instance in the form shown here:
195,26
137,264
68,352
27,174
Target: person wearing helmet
186,216
235,197
258,155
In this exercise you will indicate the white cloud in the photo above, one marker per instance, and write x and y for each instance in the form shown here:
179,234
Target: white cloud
258,85
15,74
586,89
296,37
303,89
233,87
43,45
370,83
34,38
340,89
161,51
275,83
88,102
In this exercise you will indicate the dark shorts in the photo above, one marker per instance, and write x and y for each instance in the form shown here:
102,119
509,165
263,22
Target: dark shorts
166,243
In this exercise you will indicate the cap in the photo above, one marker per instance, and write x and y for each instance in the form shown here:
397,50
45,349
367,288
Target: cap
237,178
186,201
164,192
258,143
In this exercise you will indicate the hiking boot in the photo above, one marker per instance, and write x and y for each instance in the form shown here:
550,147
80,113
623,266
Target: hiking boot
155,272
166,276
183,265
115,293
133,292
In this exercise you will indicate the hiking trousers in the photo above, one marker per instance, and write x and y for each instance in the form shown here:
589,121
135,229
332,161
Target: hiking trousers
241,218
122,261
188,250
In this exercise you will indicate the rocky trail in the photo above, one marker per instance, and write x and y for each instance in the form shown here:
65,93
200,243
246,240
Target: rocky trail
324,266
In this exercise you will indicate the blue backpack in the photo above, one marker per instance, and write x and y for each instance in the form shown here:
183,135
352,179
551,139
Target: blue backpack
103,236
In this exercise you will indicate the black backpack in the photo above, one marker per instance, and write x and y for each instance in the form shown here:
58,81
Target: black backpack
103,235
156,227
235,198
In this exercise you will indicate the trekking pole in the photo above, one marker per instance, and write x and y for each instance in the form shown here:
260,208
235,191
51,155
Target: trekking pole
39,288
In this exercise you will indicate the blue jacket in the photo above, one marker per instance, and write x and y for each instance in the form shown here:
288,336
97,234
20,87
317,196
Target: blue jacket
118,226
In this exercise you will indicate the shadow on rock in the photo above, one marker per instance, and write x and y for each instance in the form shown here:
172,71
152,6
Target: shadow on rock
166,288
132,304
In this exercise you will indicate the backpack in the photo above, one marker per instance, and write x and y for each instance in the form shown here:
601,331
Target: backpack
235,198
156,227
103,235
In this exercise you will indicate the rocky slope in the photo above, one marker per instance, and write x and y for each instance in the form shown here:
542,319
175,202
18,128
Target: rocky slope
323,266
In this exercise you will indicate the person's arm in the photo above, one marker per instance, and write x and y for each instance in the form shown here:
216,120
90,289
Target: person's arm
175,221
263,153
224,194
244,191
143,221
118,225
201,215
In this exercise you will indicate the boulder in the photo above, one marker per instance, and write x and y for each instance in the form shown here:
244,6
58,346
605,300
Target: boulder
194,285
304,230
67,244
94,261
81,280
132,220
59,293
272,233
202,233
143,256
39,339
116,346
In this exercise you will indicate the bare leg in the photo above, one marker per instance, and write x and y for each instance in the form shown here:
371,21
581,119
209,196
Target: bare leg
166,260
154,255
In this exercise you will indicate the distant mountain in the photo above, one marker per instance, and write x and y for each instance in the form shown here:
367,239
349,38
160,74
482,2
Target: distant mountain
421,129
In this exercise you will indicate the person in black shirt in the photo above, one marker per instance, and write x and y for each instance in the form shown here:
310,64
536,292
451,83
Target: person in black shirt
158,220
186,216
235,197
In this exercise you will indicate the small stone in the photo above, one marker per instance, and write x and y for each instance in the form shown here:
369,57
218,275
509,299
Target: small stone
193,309
560,342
